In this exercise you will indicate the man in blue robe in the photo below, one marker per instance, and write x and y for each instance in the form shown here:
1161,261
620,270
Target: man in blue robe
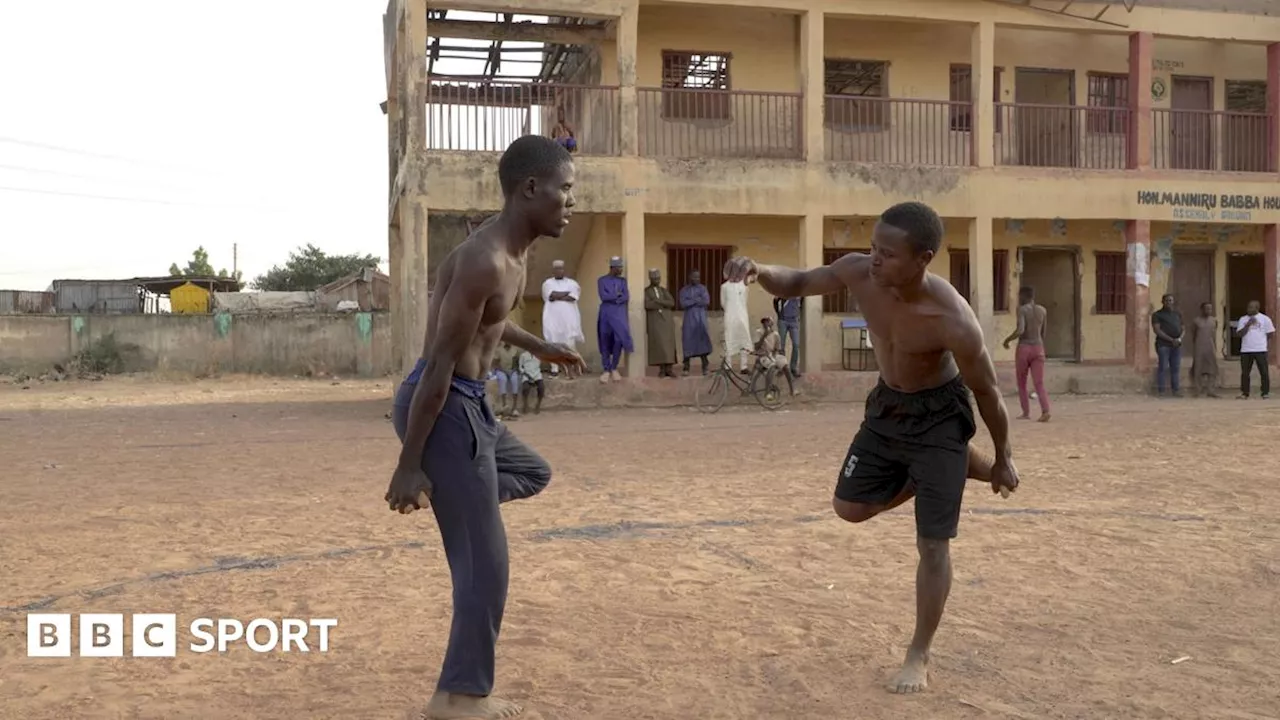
613,329
695,337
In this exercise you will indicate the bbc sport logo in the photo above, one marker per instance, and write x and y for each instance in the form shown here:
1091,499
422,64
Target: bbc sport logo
156,634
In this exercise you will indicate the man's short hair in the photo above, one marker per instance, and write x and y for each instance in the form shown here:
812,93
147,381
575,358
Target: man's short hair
1026,290
530,156
921,224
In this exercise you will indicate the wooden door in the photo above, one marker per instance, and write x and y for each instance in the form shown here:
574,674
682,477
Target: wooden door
1193,145
1191,281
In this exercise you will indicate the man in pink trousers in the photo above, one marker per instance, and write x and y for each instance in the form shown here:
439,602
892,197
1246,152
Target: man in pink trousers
1030,356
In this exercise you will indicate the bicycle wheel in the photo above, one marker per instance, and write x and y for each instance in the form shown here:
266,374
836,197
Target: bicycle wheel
712,393
767,393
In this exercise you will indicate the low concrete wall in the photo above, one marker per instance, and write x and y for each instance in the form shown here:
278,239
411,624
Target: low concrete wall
350,344
822,387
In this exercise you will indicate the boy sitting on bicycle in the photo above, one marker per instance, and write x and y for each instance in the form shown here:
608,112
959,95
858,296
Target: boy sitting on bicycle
769,356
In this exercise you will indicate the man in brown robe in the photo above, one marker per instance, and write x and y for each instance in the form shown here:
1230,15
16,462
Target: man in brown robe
660,328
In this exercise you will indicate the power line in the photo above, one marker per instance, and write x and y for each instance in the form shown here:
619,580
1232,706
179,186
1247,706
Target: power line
152,201
101,156
103,178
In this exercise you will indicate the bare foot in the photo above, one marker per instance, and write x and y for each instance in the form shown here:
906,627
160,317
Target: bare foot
914,675
1024,416
448,706
606,377
1044,417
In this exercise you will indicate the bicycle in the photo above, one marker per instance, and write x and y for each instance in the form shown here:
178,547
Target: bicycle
712,394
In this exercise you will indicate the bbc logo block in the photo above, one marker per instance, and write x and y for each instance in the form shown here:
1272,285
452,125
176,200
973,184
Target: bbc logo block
156,634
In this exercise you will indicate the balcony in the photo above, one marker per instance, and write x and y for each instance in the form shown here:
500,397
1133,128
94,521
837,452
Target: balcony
684,123
743,124
1210,140
489,116
1062,136
897,131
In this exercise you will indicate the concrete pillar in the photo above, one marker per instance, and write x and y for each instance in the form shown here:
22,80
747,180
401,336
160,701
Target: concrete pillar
812,82
811,334
1140,124
627,41
982,278
413,274
1137,284
637,279
982,64
1271,300
1273,106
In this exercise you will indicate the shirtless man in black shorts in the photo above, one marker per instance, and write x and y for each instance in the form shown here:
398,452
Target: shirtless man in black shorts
914,439
455,457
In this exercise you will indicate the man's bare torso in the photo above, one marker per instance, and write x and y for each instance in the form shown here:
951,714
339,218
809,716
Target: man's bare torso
909,338
466,263
1033,317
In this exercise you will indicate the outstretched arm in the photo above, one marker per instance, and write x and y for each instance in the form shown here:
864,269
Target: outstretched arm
459,319
790,282
970,352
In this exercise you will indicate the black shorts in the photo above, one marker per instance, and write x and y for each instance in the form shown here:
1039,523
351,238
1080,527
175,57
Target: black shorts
917,441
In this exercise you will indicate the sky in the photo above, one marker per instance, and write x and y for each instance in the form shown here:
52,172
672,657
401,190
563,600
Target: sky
134,131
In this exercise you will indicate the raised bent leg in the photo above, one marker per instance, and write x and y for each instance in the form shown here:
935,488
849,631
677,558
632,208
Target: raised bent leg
522,473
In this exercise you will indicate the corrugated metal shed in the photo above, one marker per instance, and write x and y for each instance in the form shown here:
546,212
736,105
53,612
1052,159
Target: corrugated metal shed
97,296
26,302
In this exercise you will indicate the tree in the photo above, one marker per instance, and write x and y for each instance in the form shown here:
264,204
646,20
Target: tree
309,268
199,266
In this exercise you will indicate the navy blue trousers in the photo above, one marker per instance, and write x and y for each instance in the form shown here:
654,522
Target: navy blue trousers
474,464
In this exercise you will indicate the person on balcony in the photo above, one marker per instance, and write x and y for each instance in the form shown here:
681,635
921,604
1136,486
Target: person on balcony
613,328
561,319
562,132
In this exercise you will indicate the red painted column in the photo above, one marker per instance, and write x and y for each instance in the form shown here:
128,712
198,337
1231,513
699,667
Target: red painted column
1137,285
1140,51
1273,106
1271,301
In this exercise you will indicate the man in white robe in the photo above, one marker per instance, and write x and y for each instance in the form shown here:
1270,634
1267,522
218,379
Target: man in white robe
737,326
561,319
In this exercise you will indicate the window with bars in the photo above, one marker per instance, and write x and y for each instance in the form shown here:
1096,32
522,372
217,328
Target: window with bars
962,92
999,277
840,302
848,80
1109,294
708,260
697,85
1108,104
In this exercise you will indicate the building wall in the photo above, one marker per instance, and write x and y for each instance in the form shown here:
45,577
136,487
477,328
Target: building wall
315,344
1071,291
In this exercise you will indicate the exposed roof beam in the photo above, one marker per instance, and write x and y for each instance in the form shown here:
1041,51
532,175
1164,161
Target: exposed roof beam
520,32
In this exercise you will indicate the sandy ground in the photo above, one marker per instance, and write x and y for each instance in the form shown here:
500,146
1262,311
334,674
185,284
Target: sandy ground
680,566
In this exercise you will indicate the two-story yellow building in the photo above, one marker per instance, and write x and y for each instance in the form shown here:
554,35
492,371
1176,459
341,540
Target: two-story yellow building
1102,153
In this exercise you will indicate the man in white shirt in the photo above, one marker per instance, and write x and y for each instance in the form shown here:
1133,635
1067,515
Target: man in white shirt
561,320
1254,330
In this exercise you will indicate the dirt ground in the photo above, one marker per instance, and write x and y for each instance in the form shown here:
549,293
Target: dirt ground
680,566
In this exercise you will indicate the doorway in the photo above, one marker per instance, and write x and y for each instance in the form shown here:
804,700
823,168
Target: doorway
1246,280
1053,274
1047,130
1193,144
1191,280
